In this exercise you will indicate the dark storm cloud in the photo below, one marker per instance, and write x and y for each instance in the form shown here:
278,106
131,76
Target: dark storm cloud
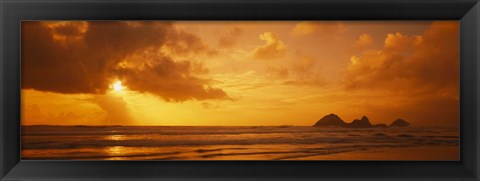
173,81
83,57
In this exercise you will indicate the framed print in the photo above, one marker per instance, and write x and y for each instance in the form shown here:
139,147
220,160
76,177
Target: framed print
239,90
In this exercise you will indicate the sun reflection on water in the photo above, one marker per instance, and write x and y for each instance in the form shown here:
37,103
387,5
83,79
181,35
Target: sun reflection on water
115,150
115,137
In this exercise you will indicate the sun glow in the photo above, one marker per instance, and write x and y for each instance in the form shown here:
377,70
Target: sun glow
117,86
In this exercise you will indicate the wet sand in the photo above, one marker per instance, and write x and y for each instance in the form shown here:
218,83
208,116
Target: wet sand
430,153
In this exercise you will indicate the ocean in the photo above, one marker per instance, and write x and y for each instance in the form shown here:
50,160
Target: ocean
237,143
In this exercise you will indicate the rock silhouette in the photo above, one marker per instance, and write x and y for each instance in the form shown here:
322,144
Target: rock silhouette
332,120
399,123
362,123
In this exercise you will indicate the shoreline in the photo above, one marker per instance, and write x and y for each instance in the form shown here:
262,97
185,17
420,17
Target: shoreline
421,153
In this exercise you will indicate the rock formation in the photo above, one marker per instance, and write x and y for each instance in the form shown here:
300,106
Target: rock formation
335,121
330,120
362,123
399,123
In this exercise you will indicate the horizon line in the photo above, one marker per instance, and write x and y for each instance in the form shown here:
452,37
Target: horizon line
210,126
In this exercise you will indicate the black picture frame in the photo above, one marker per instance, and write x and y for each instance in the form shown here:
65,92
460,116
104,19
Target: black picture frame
12,12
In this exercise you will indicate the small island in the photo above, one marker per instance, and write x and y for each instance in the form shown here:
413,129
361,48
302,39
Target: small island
332,120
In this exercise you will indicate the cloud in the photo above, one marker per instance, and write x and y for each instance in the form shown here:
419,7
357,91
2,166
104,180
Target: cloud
364,41
229,39
84,57
425,62
304,28
174,81
272,49
421,71
181,43
308,28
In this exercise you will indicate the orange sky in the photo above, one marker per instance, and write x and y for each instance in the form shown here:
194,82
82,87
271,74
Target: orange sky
239,73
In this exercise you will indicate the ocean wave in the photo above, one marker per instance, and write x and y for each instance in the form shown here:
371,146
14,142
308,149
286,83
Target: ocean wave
218,142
